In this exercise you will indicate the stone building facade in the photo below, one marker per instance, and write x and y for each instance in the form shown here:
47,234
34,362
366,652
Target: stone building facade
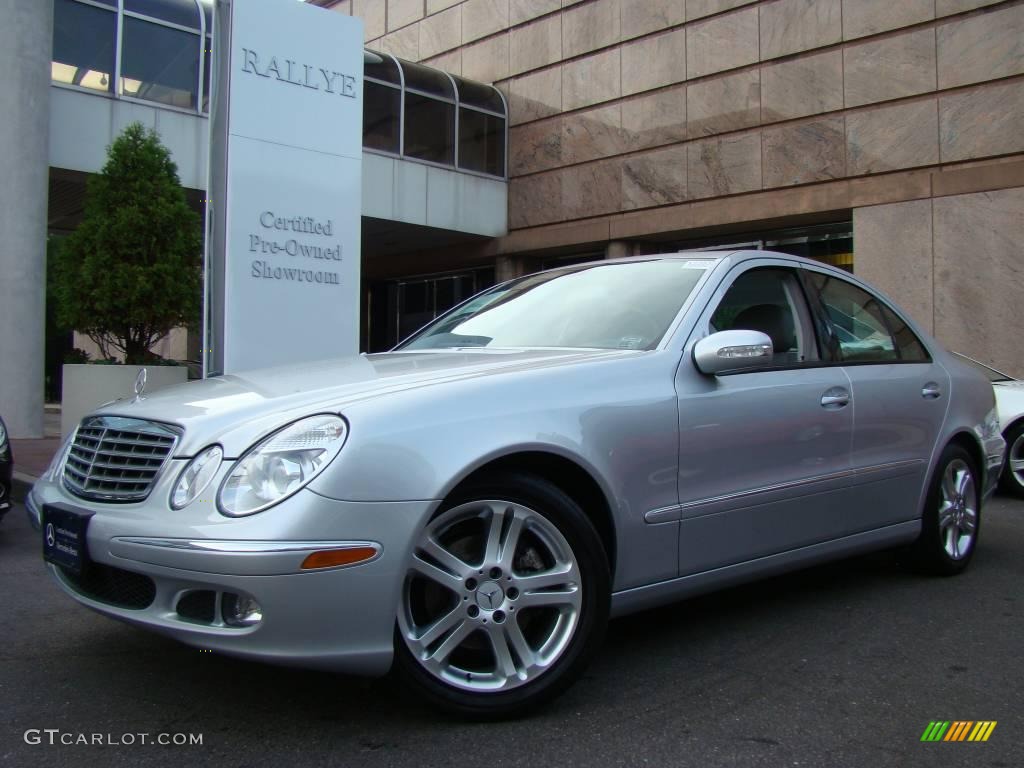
645,125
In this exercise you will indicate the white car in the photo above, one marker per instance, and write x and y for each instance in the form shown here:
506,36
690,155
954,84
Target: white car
1010,407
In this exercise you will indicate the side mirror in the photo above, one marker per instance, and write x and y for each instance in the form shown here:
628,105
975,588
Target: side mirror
732,350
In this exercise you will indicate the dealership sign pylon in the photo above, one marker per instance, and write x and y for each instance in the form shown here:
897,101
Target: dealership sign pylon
285,186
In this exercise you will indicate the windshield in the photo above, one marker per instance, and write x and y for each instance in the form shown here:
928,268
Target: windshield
620,305
990,373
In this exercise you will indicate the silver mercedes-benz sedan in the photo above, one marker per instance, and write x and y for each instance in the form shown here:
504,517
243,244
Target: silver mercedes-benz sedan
471,507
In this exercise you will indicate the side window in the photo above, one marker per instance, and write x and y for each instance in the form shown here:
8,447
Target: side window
771,301
863,328
910,347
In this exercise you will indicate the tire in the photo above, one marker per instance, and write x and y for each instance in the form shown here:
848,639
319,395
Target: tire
1012,480
474,635
952,517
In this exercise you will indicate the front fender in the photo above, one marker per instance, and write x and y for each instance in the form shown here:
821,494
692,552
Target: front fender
615,419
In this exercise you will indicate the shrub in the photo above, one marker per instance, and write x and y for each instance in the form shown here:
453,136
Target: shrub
131,272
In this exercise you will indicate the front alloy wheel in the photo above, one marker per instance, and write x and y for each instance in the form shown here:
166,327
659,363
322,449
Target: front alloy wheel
503,600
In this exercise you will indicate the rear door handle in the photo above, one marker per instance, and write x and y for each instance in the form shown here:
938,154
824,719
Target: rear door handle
930,391
835,398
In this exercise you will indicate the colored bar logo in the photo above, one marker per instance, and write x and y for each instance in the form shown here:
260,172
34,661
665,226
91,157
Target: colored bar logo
958,730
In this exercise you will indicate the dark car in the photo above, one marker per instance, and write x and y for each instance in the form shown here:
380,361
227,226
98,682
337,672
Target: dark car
6,466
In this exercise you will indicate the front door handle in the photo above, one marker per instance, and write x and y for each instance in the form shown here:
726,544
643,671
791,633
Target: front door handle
930,391
835,398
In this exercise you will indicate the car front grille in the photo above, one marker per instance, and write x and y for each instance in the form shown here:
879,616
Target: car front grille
113,458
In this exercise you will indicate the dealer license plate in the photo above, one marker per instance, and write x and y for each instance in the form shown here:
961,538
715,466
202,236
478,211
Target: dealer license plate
64,541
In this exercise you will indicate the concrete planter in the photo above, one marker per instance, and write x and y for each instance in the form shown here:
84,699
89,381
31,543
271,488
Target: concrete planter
86,387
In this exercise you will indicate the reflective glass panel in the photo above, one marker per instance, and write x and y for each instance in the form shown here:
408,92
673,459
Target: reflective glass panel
84,38
910,347
159,63
595,306
380,67
415,306
184,12
428,80
381,116
481,142
856,320
769,301
207,73
429,129
479,95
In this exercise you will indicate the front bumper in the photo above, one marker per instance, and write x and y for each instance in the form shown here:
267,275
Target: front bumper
995,450
339,618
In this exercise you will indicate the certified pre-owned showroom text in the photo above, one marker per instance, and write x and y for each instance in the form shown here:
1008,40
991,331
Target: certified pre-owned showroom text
55,737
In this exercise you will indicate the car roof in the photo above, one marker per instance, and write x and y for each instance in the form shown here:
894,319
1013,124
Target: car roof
736,256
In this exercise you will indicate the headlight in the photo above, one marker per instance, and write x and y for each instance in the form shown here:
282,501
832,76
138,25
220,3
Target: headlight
282,464
196,476
3,435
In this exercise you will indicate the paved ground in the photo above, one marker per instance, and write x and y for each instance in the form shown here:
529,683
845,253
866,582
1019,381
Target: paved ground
32,456
842,665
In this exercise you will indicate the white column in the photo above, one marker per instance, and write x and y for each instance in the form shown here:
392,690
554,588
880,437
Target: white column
618,249
508,267
26,39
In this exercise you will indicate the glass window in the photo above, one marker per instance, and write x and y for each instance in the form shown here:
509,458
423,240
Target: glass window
184,12
429,129
83,45
381,316
479,95
415,306
856,321
381,117
380,66
910,347
395,306
450,291
481,142
432,81
621,305
769,301
159,63
834,247
207,73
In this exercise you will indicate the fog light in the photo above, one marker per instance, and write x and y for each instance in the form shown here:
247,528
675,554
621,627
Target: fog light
240,610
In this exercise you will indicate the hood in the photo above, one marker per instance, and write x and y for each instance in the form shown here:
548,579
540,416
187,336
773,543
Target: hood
1012,385
265,398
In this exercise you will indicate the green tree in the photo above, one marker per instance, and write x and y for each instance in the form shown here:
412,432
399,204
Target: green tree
131,272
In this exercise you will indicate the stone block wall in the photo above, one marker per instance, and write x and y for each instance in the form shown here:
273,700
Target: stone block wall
669,101
662,120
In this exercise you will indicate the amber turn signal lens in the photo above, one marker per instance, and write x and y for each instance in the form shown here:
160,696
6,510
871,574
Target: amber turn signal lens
332,558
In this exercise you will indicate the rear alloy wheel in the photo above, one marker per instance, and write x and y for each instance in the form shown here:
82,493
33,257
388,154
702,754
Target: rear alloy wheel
952,516
1012,478
505,599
